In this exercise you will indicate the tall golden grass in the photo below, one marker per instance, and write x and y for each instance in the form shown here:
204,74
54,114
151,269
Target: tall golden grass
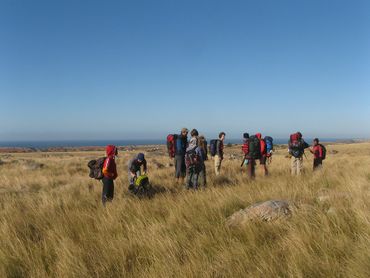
52,223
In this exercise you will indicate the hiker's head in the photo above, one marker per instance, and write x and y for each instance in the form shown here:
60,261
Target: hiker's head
194,133
259,135
316,141
111,150
140,157
184,132
222,135
299,135
245,135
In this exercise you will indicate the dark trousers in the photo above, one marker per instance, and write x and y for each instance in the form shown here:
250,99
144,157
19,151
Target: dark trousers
317,163
192,177
203,176
180,166
251,168
108,190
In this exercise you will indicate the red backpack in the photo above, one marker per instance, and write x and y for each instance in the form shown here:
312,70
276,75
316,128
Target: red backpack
171,144
295,137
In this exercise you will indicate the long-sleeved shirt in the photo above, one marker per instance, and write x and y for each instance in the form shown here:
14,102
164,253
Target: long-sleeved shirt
109,168
220,149
245,146
134,165
181,145
317,151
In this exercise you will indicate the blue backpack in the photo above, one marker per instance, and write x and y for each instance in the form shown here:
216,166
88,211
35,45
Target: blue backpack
269,144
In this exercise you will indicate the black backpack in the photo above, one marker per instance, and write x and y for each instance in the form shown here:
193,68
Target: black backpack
213,147
254,147
323,152
192,159
297,147
96,168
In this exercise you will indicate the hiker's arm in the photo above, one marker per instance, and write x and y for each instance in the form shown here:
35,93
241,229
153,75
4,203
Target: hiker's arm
320,152
132,168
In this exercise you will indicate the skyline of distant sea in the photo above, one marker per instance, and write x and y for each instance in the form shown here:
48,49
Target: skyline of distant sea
138,142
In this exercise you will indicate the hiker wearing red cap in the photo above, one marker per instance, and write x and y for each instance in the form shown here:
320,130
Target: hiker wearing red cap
110,174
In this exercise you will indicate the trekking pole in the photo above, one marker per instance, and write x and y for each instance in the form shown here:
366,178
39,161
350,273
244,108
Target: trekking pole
241,165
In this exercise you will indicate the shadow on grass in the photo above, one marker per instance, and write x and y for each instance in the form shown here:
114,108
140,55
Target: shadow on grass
222,181
149,192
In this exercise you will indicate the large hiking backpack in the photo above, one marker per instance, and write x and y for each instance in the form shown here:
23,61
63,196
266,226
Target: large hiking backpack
192,159
96,168
142,180
296,145
254,147
171,144
269,145
323,152
213,147
142,187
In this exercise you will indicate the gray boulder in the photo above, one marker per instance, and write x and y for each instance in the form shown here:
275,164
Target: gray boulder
265,211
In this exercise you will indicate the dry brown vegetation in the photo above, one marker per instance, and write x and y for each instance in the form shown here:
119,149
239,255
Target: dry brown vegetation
52,222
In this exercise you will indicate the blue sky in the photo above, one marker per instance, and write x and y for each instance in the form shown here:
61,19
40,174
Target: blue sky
143,69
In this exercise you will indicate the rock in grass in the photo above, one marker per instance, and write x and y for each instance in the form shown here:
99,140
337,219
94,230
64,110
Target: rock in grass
266,211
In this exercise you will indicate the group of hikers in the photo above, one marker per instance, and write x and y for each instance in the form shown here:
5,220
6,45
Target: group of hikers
190,155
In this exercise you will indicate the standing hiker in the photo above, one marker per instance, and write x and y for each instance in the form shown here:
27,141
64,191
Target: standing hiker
193,161
252,150
134,170
217,151
263,158
181,145
247,160
319,152
296,149
110,174
202,144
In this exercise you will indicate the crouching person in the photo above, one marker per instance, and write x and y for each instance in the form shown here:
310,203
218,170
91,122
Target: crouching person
110,174
134,170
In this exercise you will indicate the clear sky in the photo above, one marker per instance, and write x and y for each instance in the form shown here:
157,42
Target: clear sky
77,69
